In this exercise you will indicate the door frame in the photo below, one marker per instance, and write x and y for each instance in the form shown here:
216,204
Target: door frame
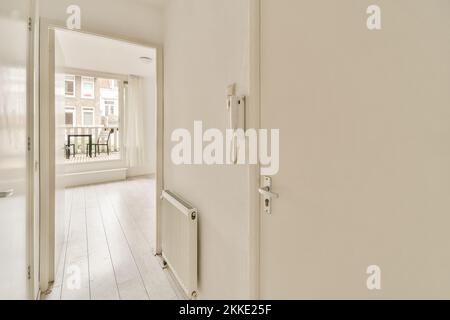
47,156
33,172
254,121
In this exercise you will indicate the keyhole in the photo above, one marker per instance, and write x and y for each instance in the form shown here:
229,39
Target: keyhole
267,203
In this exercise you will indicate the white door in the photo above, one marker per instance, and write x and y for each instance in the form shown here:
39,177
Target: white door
365,149
13,149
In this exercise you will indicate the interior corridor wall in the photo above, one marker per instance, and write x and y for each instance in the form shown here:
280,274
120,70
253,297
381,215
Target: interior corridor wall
206,49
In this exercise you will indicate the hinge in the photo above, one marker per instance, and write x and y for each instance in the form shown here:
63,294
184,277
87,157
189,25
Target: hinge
30,24
29,272
29,144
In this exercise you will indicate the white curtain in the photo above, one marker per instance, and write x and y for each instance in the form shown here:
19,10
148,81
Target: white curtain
135,123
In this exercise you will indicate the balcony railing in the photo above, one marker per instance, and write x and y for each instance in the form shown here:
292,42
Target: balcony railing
81,144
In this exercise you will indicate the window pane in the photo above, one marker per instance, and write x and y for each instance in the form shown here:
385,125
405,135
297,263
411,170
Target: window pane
88,118
108,108
70,88
69,119
88,88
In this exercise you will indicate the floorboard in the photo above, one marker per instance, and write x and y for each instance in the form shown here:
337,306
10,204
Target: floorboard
110,245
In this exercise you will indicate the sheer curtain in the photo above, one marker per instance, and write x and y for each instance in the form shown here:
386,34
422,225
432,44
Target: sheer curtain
134,143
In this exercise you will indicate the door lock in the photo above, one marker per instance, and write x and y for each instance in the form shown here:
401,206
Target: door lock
266,192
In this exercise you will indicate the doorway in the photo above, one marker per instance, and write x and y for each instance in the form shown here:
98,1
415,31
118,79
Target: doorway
105,102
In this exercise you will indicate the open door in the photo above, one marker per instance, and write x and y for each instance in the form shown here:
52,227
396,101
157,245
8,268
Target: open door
13,149
52,151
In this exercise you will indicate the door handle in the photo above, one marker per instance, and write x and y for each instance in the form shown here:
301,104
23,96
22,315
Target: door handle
6,194
268,194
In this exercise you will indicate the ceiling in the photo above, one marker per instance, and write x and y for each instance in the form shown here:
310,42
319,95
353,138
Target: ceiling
90,52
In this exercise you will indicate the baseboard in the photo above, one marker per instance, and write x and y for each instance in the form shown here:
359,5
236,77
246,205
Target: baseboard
94,177
139,172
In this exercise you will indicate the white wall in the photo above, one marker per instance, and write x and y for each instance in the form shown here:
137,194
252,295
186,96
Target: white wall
121,18
206,49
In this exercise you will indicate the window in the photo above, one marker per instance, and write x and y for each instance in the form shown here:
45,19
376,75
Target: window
88,117
109,107
70,86
70,117
87,88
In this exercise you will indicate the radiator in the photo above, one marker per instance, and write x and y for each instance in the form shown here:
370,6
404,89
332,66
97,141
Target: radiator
179,222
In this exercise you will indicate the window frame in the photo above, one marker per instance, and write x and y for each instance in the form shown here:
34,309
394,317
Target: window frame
73,79
87,109
73,110
104,105
83,90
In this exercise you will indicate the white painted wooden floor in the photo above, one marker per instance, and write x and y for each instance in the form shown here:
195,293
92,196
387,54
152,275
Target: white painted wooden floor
110,241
